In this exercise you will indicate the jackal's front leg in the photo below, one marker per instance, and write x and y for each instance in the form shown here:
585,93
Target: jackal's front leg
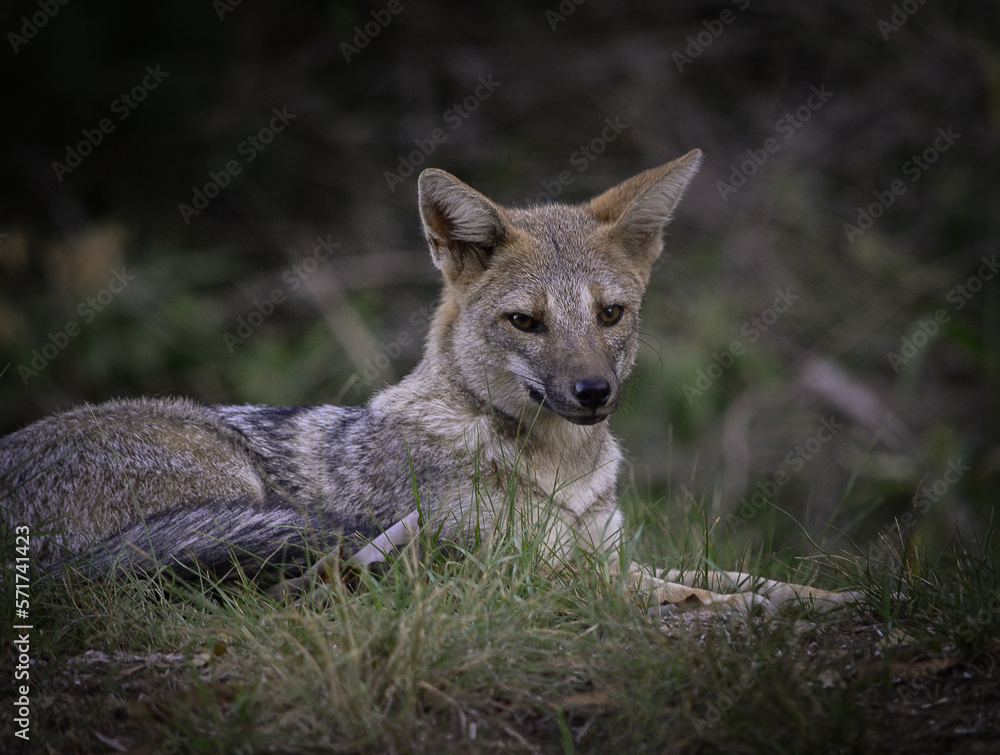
662,592
778,594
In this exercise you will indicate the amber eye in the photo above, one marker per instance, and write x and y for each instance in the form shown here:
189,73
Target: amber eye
611,314
524,322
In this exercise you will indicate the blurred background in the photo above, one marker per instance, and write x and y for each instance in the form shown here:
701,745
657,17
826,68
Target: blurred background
218,200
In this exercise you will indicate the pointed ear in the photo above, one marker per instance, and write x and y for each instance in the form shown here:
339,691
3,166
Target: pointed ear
640,207
462,226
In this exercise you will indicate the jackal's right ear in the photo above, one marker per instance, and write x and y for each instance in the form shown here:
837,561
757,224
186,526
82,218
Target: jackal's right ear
463,227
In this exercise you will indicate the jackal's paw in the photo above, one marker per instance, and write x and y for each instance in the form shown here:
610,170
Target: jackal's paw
324,571
287,590
825,601
703,601
742,603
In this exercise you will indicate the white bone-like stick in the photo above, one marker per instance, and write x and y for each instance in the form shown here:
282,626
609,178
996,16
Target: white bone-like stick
398,535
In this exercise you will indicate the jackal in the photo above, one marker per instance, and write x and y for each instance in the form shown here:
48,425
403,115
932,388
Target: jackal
535,333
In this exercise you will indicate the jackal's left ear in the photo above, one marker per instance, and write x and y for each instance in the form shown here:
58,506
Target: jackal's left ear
463,227
640,207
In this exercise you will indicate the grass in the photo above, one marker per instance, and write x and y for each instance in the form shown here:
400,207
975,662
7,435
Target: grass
494,652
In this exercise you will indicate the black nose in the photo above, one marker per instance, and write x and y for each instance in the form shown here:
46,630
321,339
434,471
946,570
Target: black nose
592,392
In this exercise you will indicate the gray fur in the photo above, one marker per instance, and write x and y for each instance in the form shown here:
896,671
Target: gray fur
133,483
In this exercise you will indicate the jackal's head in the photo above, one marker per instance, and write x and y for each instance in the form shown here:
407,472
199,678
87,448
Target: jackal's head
541,305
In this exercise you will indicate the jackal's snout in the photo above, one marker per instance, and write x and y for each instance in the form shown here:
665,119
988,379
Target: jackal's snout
592,392
591,399
581,400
